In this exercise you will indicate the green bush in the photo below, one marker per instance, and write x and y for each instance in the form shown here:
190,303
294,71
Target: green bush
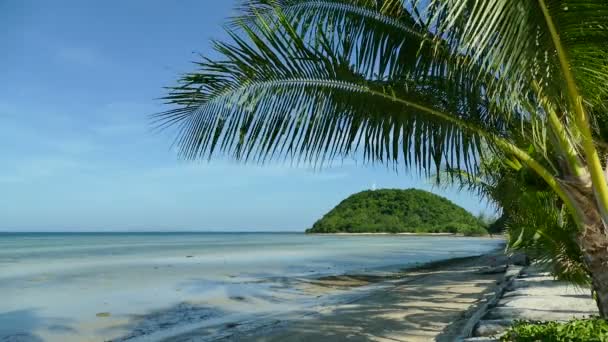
579,330
473,230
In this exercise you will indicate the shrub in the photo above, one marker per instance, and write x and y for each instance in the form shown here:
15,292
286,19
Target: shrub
588,330
473,230
465,229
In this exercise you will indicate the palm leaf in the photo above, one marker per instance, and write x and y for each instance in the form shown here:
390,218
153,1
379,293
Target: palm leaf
276,94
384,30
533,217
513,40
382,27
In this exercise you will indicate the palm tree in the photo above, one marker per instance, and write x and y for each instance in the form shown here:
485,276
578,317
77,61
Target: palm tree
532,215
423,84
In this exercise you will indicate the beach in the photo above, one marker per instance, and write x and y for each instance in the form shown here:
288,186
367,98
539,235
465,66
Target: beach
164,286
425,304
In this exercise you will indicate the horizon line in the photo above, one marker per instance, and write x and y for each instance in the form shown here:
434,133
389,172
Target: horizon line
149,231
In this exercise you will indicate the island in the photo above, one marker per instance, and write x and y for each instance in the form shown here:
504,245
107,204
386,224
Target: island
398,211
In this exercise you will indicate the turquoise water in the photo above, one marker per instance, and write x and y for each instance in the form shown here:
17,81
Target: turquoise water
146,286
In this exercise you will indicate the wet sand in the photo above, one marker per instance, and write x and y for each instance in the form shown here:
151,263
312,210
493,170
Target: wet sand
418,308
423,304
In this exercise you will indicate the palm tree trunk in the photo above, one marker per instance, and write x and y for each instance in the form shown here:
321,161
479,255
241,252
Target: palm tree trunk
593,241
594,244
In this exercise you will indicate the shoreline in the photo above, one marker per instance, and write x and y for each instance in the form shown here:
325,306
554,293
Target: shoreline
356,288
489,236
428,302
386,233
122,289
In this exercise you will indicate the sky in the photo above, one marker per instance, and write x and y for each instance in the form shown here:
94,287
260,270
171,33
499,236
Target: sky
78,81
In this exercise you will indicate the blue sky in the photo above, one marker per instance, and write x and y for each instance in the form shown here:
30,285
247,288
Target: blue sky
78,79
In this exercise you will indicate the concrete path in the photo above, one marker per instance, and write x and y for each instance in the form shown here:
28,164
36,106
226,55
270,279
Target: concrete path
538,296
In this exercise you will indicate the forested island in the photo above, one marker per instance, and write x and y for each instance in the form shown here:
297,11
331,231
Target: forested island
398,211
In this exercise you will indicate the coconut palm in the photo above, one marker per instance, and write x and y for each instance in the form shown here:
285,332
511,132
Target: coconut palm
533,217
422,84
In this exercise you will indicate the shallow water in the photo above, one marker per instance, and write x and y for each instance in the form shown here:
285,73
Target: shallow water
146,286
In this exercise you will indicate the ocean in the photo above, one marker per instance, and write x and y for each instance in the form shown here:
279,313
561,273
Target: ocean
150,286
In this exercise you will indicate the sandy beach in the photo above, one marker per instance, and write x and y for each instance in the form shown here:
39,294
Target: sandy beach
154,287
423,304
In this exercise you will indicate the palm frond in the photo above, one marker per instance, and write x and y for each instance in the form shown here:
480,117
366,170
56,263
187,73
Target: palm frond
532,216
512,39
276,94
583,30
389,29
544,232
522,101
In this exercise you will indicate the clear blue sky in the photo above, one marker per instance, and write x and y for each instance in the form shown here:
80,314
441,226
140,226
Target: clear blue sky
77,81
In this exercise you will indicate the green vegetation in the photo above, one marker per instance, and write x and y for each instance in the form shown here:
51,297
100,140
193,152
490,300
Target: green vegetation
578,330
398,211
424,84
533,217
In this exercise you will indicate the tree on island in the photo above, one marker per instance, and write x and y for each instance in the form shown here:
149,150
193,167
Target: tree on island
398,211
426,84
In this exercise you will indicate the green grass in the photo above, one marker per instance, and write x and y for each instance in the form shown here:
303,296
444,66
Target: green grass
588,330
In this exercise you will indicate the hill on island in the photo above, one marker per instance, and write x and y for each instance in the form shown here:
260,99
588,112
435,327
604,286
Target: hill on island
398,211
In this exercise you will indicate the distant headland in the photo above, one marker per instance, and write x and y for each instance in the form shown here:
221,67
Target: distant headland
398,211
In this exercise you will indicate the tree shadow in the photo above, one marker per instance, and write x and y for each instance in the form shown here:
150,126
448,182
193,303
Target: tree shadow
412,308
417,310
